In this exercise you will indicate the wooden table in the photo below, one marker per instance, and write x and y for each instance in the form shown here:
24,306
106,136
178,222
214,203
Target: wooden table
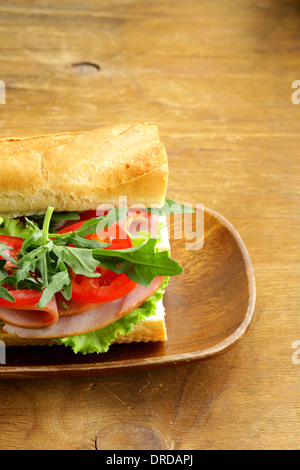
217,76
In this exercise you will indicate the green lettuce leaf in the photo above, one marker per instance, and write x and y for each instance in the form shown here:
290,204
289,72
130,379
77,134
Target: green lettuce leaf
14,228
99,341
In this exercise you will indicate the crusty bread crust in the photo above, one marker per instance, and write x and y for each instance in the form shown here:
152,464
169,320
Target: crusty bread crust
82,170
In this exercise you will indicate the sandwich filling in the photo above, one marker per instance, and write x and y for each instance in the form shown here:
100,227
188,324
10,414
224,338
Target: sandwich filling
82,279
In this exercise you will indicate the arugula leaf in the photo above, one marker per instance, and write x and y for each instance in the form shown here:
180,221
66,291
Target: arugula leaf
29,262
30,283
171,207
5,278
99,223
67,290
33,241
58,282
4,294
80,260
141,264
79,242
4,247
3,273
3,254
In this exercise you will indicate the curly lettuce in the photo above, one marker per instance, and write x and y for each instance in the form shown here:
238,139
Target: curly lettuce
14,228
99,341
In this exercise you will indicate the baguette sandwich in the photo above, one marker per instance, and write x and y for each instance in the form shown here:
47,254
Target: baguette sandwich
84,249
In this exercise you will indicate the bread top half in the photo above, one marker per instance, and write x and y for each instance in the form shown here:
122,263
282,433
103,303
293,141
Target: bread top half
82,170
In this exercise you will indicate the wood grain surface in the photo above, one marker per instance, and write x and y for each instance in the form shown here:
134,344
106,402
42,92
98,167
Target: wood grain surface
218,77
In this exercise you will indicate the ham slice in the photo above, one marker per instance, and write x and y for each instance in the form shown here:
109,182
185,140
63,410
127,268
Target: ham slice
91,320
33,318
72,307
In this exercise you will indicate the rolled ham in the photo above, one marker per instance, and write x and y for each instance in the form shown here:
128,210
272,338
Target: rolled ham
33,318
95,319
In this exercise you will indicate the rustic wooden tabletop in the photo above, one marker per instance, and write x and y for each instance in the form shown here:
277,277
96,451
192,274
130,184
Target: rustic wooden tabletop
217,77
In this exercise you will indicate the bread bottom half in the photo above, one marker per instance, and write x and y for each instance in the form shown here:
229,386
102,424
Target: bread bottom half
150,330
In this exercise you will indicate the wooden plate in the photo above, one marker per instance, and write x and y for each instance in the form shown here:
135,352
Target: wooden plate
209,309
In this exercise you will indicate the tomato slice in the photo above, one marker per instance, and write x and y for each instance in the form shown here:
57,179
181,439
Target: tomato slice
16,244
72,228
106,288
110,285
23,297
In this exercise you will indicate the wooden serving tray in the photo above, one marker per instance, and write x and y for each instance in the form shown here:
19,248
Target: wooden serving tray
209,308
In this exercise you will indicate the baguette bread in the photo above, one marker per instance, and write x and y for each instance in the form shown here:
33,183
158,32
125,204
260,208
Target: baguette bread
80,171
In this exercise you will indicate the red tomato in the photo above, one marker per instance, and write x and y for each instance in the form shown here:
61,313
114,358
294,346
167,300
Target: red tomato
106,288
110,285
72,227
23,297
16,244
